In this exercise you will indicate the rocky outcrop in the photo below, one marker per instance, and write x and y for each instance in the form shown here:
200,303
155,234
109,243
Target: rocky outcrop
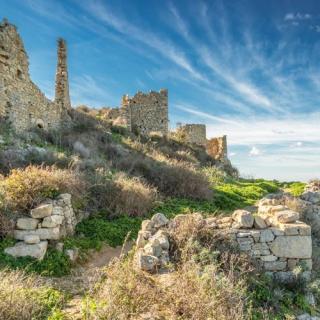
49,221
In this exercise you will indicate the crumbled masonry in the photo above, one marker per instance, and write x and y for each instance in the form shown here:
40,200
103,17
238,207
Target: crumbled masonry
49,221
24,106
273,236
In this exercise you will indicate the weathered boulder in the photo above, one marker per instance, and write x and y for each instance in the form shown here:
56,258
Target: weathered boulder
292,247
147,225
142,238
159,220
22,249
27,223
42,211
153,248
287,216
243,218
147,262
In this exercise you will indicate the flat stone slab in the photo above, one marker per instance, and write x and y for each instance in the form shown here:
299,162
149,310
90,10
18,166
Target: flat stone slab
42,211
43,233
292,247
22,249
27,223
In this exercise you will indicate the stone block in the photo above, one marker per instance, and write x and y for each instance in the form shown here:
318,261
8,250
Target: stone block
142,238
72,254
292,247
27,223
275,265
43,233
147,262
52,221
287,216
298,228
153,248
159,220
243,218
266,235
268,258
31,239
259,223
147,225
42,211
22,249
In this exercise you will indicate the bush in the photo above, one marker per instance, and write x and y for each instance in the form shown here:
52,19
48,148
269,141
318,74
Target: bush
22,297
25,188
123,195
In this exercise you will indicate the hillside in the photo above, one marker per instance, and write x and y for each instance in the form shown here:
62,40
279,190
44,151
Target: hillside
116,180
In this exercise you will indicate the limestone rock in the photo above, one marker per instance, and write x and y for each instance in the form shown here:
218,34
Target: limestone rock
72,254
142,238
162,237
43,233
287,216
31,239
147,225
243,218
52,221
42,211
313,197
266,235
292,247
275,265
147,262
259,223
27,223
159,220
22,249
153,248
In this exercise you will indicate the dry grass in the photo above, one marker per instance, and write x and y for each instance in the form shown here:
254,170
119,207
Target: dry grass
205,284
22,297
25,188
120,194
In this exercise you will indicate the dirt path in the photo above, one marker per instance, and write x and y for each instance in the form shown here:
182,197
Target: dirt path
83,278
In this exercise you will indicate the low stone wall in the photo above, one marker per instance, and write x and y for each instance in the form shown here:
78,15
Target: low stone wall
273,236
51,220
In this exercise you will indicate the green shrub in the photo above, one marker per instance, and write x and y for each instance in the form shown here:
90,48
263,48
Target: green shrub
112,232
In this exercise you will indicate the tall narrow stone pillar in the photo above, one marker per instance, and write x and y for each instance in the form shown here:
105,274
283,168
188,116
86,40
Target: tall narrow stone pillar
62,97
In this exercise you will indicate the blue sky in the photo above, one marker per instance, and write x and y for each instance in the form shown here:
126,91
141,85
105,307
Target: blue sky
248,68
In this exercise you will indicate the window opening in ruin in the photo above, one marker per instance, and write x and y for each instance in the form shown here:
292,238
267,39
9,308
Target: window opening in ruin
19,74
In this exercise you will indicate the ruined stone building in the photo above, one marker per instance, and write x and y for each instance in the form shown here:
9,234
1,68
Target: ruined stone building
193,133
24,106
217,148
144,112
21,102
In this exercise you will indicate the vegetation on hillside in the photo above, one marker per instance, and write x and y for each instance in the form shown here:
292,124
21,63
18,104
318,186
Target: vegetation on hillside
122,178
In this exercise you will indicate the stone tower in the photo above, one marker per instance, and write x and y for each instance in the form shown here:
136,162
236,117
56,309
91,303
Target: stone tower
62,97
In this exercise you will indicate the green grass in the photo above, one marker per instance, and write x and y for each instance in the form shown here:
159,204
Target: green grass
55,263
296,188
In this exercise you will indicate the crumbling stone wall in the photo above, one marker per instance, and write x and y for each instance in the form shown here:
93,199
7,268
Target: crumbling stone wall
217,148
21,101
146,112
193,133
273,236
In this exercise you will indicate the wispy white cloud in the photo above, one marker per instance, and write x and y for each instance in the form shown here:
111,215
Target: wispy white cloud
297,16
87,90
254,152
193,110
165,48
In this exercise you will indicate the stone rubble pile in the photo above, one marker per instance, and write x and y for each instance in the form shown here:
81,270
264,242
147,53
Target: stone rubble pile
153,244
51,220
273,236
